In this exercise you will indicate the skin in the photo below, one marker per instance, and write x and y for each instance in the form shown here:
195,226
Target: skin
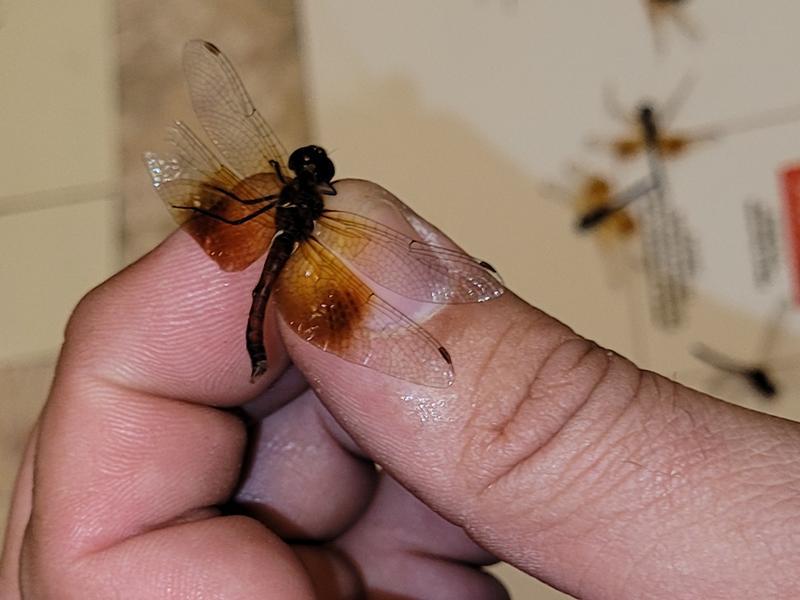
548,452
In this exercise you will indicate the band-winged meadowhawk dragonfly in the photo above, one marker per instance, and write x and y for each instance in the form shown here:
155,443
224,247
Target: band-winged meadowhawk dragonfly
245,198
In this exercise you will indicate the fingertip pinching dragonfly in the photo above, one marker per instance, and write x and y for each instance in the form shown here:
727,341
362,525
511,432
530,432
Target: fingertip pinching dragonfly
244,198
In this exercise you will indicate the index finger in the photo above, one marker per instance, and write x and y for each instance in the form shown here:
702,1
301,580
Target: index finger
171,325
132,457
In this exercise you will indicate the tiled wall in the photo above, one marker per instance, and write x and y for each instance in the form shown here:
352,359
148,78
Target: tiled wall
58,205
58,127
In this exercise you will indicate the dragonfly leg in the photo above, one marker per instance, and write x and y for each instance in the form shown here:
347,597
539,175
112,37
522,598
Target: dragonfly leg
215,216
255,200
278,171
235,198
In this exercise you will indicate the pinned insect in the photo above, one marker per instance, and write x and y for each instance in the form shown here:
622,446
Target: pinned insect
602,209
650,128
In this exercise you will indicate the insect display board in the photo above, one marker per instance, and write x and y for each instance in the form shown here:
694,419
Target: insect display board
627,166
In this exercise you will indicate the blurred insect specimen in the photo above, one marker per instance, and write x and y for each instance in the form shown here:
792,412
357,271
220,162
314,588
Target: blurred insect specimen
668,245
247,204
588,193
602,211
650,125
759,375
664,12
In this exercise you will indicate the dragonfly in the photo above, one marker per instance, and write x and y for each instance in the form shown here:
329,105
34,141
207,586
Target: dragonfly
650,129
601,209
650,126
243,198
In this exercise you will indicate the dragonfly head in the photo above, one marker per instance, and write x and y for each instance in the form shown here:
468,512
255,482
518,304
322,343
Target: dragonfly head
313,162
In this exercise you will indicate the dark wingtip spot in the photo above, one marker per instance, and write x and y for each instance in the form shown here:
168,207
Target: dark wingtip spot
445,355
212,48
487,266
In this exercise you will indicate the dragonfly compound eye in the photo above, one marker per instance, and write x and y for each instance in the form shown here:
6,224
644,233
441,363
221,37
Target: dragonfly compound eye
312,159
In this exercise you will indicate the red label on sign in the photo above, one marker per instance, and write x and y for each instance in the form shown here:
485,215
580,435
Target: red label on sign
790,178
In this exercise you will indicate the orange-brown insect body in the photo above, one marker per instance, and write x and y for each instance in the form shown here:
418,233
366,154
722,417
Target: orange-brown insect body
596,194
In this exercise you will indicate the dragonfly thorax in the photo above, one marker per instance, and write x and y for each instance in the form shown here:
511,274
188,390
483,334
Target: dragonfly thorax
298,209
301,203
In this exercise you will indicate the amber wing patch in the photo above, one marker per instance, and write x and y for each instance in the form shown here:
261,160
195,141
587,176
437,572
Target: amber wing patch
192,178
327,305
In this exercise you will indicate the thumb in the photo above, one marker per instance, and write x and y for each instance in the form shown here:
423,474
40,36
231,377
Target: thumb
562,457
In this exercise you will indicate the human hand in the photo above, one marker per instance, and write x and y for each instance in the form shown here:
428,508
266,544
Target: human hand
549,452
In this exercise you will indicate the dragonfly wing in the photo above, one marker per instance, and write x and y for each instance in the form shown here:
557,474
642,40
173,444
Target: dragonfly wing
409,267
329,306
226,112
192,178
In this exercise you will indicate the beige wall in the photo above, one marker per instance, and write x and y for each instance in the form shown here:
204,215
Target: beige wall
58,124
58,205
